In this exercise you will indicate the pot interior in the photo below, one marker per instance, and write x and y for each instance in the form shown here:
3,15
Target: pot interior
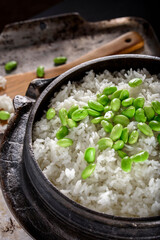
113,63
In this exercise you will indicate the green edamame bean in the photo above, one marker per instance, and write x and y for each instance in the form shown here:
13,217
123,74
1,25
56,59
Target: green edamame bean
107,108
135,82
93,112
4,115
138,102
140,157
88,170
104,143
145,129
63,116
116,132
149,112
140,115
115,104
124,94
50,113
40,71
108,115
59,60
103,99
65,142
121,119
71,123
116,94
154,125
9,66
98,95
96,106
133,138
157,118
85,107
121,154
107,126
118,145
129,112
72,109
109,90
90,154
156,106
62,132
158,138
124,135
79,114
127,102
126,164
97,120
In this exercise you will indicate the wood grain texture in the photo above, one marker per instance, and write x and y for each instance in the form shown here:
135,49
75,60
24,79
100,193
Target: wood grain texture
129,42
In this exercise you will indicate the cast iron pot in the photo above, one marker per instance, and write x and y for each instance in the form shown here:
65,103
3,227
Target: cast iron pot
40,208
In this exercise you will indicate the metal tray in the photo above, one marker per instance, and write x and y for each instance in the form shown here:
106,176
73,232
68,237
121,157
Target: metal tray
37,42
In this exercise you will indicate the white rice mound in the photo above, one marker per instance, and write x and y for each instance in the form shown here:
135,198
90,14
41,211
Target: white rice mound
109,189
5,103
3,82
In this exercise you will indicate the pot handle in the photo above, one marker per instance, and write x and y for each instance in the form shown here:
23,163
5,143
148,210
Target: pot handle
21,103
17,125
37,86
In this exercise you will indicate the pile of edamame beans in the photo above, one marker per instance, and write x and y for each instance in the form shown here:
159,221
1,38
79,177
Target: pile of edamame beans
40,71
113,110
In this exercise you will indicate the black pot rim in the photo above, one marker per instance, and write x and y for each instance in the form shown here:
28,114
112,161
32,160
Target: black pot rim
73,206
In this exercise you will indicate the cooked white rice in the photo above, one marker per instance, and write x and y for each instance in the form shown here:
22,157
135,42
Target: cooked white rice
109,189
5,103
2,82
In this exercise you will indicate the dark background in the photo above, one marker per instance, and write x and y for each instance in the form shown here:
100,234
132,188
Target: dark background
91,10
